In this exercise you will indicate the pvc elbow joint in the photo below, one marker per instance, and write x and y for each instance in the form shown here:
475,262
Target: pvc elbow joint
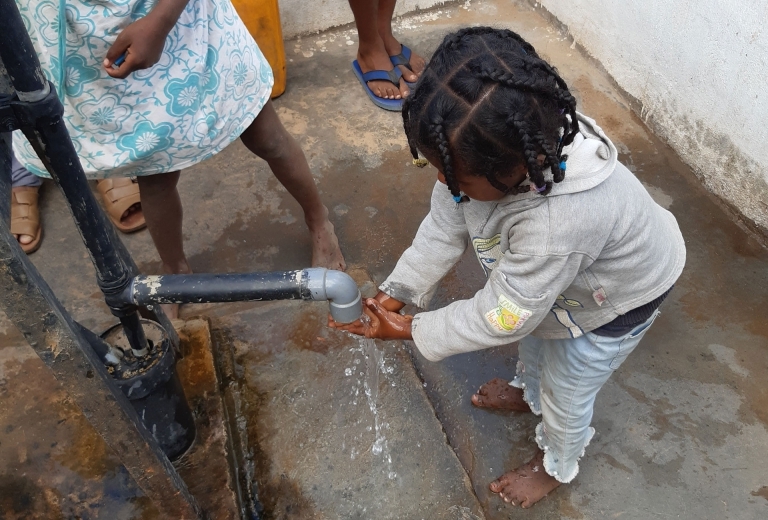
339,289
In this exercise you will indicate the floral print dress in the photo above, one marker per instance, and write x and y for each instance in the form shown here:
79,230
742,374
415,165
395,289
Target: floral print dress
209,85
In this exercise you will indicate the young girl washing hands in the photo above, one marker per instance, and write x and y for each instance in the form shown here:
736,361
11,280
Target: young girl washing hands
578,256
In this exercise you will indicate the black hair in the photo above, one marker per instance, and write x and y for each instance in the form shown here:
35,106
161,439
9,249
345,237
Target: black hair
486,100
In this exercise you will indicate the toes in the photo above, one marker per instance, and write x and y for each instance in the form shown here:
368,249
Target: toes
408,75
477,400
25,239
496,486
509,499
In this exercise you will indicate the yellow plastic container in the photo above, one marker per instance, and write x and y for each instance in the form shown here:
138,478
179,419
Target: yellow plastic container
262,18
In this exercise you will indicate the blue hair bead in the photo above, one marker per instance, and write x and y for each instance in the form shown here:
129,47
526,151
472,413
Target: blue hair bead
562,165
457,198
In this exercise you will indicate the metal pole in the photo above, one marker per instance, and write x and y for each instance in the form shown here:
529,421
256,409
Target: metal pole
31,305
7,93
5,178
40,114
28,102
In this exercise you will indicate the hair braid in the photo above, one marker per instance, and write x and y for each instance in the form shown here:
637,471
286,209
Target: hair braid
530,83
571,128
407,127
441,139
553,159
524,45
531,152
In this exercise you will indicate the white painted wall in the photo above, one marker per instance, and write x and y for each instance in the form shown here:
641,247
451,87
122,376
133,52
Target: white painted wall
700,70
305,16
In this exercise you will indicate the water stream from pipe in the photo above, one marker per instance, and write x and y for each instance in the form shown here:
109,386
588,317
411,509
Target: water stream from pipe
374,359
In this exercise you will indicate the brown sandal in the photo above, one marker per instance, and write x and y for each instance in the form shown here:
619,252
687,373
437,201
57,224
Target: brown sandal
118,195
25,216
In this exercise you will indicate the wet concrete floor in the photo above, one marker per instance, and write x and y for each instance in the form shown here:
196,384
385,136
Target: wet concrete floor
681,427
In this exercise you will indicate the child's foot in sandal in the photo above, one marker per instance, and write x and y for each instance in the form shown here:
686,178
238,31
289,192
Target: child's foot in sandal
498,394
122,203
525,485
25,218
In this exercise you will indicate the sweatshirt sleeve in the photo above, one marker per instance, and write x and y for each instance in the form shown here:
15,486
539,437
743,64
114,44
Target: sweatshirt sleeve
518,295
439,243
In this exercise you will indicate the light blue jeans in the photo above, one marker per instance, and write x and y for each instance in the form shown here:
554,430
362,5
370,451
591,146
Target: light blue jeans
560,379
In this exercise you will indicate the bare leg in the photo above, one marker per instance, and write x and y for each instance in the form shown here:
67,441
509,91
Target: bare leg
162,209
268,138
372,53
525,485
392,45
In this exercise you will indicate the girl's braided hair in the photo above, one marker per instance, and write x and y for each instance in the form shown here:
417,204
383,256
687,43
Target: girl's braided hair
489,102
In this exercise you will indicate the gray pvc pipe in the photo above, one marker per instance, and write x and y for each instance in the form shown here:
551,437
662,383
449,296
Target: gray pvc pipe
339,289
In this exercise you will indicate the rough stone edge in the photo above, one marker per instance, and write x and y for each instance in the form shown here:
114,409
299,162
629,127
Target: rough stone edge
656,125
242,465
221,367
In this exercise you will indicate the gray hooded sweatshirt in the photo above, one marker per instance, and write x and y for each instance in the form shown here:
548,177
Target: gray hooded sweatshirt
597,246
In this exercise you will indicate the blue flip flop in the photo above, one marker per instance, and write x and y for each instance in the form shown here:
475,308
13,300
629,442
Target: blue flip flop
404,59
393,76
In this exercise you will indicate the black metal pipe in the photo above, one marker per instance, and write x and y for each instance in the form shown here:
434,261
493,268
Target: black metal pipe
209,288
38,114
76,358
5,178
18,54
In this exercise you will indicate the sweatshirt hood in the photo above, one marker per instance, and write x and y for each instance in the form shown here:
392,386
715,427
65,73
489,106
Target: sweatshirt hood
592,158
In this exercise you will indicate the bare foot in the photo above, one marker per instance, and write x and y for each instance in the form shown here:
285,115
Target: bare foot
525,485
498,394
325,246
416,62
171,310
378,59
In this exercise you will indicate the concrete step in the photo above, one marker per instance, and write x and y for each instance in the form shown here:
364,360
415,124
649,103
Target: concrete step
332,427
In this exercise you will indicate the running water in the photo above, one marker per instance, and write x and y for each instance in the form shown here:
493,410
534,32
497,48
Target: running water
374,360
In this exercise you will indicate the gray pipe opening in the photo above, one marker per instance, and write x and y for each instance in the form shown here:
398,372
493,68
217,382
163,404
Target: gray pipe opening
339,289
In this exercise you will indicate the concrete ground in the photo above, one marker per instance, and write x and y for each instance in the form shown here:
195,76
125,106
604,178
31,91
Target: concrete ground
329,427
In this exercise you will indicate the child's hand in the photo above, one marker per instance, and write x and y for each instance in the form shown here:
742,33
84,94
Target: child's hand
381,323
142,43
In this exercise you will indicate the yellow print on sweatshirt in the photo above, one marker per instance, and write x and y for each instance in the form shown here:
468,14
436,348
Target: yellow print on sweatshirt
508,316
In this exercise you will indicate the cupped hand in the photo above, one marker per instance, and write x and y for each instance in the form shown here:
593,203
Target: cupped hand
142,43
381,323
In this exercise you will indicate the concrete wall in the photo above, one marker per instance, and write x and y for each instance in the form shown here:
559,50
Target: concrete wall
699,70
305,16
